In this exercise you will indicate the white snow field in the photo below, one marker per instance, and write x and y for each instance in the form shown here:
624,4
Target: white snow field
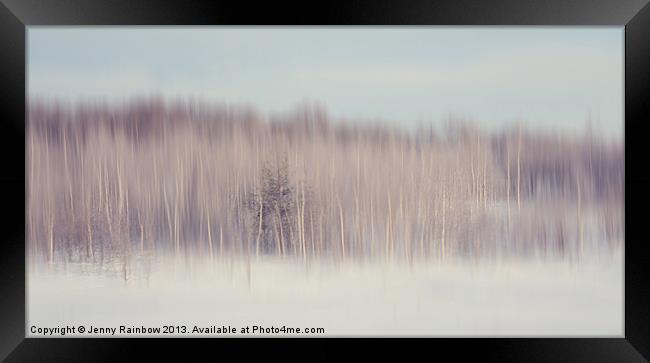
455,299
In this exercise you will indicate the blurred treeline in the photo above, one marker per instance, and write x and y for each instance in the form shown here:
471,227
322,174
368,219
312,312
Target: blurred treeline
187,178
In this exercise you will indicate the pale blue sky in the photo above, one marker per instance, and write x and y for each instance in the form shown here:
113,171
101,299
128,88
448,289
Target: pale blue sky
550,77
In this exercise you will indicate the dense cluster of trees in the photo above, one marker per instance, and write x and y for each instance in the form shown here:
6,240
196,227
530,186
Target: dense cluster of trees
191,178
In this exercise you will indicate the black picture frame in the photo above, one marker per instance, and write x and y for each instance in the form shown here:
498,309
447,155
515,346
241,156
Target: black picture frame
16,15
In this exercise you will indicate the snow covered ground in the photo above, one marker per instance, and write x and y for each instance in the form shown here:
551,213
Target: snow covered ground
456,299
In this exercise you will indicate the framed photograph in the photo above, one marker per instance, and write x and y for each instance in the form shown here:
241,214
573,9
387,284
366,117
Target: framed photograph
455,171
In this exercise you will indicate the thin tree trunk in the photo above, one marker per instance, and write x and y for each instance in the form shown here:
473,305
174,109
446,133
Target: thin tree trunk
342,228
444,214
519,169
372,224
281,245
221,241
51,240
259,227
508,178
209,223
311,231
302,225
580,232
141,234
389,230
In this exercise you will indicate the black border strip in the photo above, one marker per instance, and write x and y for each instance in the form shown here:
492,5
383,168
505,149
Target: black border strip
16,14
360,12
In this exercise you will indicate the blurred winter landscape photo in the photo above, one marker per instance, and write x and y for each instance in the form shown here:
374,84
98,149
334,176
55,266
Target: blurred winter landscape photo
344,181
